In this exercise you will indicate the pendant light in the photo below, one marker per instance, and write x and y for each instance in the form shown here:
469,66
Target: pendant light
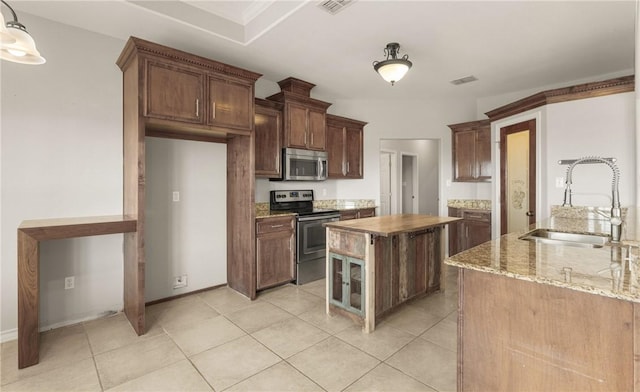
19,47
392,68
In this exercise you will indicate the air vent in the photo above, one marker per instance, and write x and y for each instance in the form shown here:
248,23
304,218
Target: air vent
466,79
334,6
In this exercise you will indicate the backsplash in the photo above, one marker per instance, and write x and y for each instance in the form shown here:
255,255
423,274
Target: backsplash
470,204
584,212
343,204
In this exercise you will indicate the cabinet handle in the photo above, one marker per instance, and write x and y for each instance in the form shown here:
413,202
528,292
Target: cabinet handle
197,107
347,167
213,110
312,139
305,138
474,216
276,226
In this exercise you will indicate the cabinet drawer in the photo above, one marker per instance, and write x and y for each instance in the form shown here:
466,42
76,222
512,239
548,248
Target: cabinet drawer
476,216
274,225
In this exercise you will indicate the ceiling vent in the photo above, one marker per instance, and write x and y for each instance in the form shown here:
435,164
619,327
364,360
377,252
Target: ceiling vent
466,79
334,6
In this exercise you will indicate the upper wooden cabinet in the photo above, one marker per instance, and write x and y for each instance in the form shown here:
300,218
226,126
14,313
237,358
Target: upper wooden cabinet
230,103
344,147
268,134
181,93
303,117
471,143
173,92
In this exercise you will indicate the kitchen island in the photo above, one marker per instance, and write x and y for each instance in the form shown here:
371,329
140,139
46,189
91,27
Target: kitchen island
541,316
376,264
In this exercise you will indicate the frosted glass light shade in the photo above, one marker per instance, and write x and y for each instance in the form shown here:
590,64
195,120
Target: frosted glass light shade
393,70
5,35
23,50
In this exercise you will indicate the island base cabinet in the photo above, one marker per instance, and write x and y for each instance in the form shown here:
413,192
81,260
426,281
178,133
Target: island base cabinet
515,335
407,265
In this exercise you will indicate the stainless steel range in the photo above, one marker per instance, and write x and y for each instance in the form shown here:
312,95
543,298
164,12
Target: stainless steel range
310,232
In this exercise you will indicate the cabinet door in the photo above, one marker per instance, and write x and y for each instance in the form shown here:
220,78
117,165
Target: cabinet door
366,212
173,93
483,154
230,103
464,160
268,144
296,125
336,270
355,285
316,127
348,214
476,233
353,149
335,151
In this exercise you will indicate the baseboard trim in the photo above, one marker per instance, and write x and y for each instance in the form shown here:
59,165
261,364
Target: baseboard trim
161,300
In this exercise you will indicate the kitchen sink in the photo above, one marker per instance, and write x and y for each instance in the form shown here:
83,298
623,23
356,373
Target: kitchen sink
552,237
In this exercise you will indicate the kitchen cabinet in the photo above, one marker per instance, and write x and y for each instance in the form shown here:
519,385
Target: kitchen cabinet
471,147
275,251
304,118
268,134
357,213
347,283
344,147
473,230
179,92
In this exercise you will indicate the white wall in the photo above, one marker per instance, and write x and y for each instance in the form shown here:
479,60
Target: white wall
187,237
61,156
428,152
602,126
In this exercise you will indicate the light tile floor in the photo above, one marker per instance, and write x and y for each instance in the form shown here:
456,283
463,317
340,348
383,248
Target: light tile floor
218,340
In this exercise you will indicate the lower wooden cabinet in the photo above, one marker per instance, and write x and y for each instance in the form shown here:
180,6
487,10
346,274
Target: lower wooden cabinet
275,251
473,230
346,284
357,213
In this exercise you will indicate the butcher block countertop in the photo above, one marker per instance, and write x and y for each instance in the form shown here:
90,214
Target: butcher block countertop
606,271
389,225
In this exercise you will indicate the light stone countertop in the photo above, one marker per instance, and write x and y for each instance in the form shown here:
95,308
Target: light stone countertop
583,269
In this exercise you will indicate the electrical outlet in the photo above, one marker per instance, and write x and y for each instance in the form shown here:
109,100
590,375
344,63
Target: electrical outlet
176,196
179,281
69,282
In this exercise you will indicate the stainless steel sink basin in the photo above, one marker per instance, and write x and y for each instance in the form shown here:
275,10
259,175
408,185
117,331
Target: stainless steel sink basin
565,238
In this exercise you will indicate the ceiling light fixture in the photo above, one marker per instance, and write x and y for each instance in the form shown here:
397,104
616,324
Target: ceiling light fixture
393,68
16,43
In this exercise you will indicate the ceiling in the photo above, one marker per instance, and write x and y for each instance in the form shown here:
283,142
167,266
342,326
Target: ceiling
508,45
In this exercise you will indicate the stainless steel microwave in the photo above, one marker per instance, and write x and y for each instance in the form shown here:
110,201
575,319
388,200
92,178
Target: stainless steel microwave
303,165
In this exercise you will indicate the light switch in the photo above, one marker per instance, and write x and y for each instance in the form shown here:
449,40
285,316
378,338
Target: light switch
559,182
176,196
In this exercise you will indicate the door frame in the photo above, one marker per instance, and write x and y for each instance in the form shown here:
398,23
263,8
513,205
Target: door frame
540,199
414,181
393,172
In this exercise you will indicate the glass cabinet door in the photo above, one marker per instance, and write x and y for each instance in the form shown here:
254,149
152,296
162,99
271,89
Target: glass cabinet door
337,262
356,289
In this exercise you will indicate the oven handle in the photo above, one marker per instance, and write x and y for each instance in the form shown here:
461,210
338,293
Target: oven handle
330,218
320,168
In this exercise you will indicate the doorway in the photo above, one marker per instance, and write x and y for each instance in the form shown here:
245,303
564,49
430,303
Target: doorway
425,178
409,189
517,176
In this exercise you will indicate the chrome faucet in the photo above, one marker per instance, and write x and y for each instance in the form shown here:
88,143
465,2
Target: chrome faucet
616,211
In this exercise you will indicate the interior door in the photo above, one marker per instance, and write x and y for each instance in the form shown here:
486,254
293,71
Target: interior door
517,176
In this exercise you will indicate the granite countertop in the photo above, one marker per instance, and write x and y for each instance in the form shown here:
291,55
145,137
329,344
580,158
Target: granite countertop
589,270
470,204
389,225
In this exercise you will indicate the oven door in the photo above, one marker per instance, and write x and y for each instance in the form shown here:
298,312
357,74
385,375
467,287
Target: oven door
312,237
